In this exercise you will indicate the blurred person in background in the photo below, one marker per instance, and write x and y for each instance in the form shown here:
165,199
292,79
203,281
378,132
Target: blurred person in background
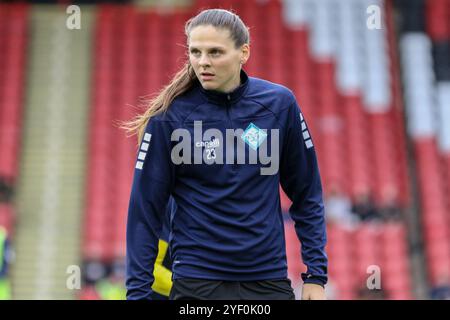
441,291
5,257
110,286
94,271
364,207
389,210
6,190
339,209
227,233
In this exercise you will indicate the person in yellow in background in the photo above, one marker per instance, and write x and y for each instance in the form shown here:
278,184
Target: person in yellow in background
110,286
113,288
5,290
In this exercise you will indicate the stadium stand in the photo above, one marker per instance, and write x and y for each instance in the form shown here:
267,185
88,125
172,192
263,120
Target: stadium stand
350,81
425,56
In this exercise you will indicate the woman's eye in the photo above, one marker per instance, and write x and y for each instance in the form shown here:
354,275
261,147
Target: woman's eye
215,52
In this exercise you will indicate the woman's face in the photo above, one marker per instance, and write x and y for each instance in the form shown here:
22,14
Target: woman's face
216,61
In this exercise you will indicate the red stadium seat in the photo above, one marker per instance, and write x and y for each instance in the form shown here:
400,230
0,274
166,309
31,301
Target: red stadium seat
437,25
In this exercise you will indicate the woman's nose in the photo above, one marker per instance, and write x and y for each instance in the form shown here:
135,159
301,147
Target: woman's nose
204,61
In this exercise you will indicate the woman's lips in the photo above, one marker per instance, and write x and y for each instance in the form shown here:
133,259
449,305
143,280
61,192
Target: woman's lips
207,76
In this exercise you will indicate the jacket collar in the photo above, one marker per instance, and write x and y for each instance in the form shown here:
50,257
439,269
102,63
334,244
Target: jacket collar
230,97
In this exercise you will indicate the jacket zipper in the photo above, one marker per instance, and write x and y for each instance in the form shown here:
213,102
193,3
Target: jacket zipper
234,165
228,110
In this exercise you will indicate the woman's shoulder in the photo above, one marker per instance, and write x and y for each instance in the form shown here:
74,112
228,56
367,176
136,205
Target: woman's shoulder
270,93
181,106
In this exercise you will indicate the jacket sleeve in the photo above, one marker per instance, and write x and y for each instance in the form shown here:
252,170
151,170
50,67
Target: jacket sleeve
300,180
151,188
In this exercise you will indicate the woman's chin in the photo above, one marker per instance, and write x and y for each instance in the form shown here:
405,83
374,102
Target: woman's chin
208,85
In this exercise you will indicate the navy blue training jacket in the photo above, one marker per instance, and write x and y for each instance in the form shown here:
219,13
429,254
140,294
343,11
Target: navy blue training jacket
228,223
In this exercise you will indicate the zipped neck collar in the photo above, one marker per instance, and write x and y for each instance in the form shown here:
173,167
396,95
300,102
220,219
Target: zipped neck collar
230,97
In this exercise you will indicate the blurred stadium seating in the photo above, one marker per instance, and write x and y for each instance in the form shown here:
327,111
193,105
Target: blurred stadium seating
377,104
425,55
